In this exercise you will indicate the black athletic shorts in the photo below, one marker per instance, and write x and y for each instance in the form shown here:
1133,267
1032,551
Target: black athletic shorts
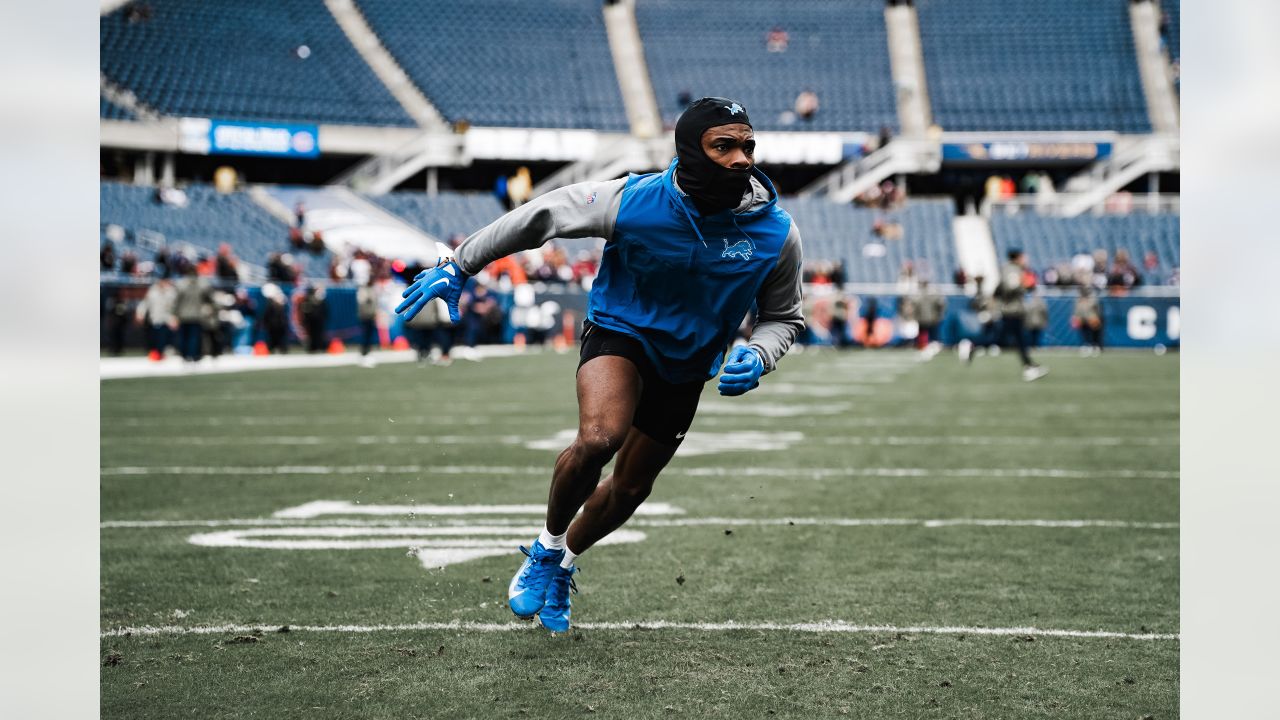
666,409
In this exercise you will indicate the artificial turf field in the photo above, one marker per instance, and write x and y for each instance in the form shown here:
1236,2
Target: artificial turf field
848,540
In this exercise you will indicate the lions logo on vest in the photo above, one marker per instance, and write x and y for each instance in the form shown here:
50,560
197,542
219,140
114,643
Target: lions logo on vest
740,249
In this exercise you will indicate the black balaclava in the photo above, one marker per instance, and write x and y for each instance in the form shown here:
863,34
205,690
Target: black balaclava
712,186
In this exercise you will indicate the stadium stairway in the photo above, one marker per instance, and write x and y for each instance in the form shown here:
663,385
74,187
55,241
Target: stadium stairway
633,72
906,61
1153,64
127,105
375,54
345,219
975,249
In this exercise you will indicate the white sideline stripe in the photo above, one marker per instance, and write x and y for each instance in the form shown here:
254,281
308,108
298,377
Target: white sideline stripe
138,367
895,472
911,440
437,546
822,626
812,473
645,522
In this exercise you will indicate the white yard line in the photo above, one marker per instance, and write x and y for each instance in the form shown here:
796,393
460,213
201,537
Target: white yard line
821,626
886,440
794,472
318,508
293,522
110,368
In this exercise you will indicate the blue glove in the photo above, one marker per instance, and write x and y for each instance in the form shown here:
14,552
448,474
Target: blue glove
742,370
445,280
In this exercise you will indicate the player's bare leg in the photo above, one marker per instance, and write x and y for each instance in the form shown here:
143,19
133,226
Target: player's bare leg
640,460
608,392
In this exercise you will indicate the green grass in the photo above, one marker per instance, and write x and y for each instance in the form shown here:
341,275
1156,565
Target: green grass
1111,421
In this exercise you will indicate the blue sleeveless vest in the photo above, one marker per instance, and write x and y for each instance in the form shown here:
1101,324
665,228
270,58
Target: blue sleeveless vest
681,283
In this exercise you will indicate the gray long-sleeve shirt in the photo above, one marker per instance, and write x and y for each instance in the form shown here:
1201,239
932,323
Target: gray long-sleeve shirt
567,213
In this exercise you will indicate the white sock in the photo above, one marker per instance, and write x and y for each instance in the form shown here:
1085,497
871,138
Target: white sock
551,542
569,556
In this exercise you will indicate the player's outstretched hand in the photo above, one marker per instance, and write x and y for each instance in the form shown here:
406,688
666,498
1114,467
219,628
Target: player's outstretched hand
445,280
742,370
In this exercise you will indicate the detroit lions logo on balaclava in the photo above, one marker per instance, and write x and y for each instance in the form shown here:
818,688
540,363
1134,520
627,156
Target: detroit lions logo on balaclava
713,187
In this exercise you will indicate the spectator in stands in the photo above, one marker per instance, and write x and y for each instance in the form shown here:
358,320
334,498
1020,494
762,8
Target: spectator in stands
315,315
281,268
1099,274
1123,275
156,314
684,99
193,306
1082,267
1087,318
107,256
161,264
275,319
806,105
907,280
839,276
367,313
585,266
227,265
167,195
1011,293
128,262
300,214
1151,265
776,40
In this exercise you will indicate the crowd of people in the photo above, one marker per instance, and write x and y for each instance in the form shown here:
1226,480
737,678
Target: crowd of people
1012,311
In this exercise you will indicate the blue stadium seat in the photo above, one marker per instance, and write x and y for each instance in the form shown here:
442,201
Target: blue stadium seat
837,48
833,231
1015,65
1053,241
110,111
236,59
210,218
502,63
445,214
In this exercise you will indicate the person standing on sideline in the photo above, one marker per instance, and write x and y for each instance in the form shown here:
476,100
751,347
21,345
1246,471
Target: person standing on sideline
192,306
930,309
275,319
1087,318
1037,317
687,252
367,313
315,316
156,313
1010,294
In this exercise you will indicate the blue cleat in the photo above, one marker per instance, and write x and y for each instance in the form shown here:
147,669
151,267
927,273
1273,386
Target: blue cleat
528,589
554,615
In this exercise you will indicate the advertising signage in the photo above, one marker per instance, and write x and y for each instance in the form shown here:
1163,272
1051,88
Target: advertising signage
228,137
